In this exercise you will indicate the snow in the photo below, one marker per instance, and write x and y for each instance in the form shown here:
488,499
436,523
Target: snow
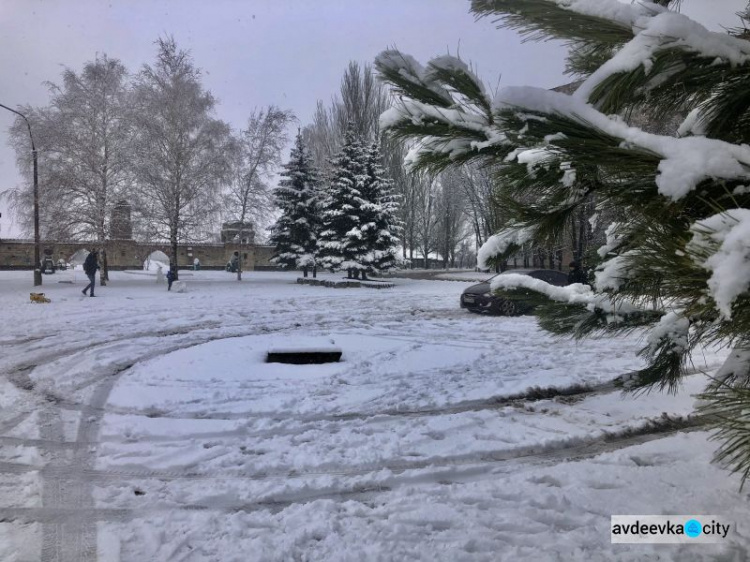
685,161
614,238
613,10
694,124
726,239
466,275
663,31
148,425
673,327
499,243
453,65
613,273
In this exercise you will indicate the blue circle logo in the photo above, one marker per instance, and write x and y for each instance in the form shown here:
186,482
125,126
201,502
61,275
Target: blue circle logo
693,528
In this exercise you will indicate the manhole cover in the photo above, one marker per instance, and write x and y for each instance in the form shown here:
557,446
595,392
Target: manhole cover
304,356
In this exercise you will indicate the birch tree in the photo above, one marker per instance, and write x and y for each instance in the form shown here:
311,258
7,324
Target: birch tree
86,139
181,158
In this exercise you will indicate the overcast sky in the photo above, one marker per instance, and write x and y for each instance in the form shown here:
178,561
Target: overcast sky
259,52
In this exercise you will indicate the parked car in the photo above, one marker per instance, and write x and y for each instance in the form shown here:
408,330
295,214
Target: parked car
479,298
48,266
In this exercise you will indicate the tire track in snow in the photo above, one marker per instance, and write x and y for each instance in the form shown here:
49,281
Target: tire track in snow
442,471
565,449
571,394
73,539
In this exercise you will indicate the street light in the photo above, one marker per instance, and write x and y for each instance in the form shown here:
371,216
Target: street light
37,243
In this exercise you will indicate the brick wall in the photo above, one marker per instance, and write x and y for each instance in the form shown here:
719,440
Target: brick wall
125,254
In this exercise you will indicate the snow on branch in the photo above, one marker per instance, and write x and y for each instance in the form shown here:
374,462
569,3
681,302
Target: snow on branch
630,15
609,21
685,161
673,329
667,30
500,243
407,75
575,294
721,244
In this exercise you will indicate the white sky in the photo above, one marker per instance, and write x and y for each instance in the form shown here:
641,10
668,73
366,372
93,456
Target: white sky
259,52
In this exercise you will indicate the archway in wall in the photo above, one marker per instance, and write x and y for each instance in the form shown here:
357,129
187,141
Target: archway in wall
156,260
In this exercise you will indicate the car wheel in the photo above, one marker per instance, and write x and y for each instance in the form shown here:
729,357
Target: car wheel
508,308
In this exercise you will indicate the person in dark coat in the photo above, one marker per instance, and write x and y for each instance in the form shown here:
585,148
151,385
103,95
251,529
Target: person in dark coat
89,268
576,274
170,278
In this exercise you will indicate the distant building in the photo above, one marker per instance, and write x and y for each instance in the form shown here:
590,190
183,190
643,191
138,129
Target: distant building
230,232
121,222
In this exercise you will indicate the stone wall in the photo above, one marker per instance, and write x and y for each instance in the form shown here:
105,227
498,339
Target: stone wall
127,254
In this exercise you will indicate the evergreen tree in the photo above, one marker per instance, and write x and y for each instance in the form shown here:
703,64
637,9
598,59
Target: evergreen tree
295,233
378,216
679,264
342,245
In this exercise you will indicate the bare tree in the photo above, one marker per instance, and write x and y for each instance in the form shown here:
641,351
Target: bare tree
425,219
254,157
451,223
181,158
478,187
86,137
55,221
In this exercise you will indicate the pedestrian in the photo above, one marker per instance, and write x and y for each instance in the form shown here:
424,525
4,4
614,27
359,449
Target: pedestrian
170,278
577,274
89,268
196,264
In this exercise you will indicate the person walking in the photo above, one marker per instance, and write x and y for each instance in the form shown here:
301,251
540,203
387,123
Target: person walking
170,278
89,268
577,274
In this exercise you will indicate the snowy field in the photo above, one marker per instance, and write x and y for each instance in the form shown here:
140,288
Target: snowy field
144,426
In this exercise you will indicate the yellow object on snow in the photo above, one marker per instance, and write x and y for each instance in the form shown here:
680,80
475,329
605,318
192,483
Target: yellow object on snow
38,297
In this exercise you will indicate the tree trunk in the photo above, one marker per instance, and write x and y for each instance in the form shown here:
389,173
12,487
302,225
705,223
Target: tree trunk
315,271
304,272
173,265
103,272
239,259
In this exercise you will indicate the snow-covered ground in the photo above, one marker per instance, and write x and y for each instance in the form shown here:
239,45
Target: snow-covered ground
145,426
465,276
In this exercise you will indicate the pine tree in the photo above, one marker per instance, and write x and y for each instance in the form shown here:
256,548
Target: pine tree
341,242
678,265
295,233
378,211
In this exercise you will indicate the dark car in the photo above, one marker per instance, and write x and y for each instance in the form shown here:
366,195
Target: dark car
479,298
48,266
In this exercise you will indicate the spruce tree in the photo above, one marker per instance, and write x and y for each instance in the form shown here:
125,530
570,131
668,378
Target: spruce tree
341,243
379,223
678,264
295,233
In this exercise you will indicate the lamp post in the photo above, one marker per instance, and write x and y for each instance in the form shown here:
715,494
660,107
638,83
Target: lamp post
37,243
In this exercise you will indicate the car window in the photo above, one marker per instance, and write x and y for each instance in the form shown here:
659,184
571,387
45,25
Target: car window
550,276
